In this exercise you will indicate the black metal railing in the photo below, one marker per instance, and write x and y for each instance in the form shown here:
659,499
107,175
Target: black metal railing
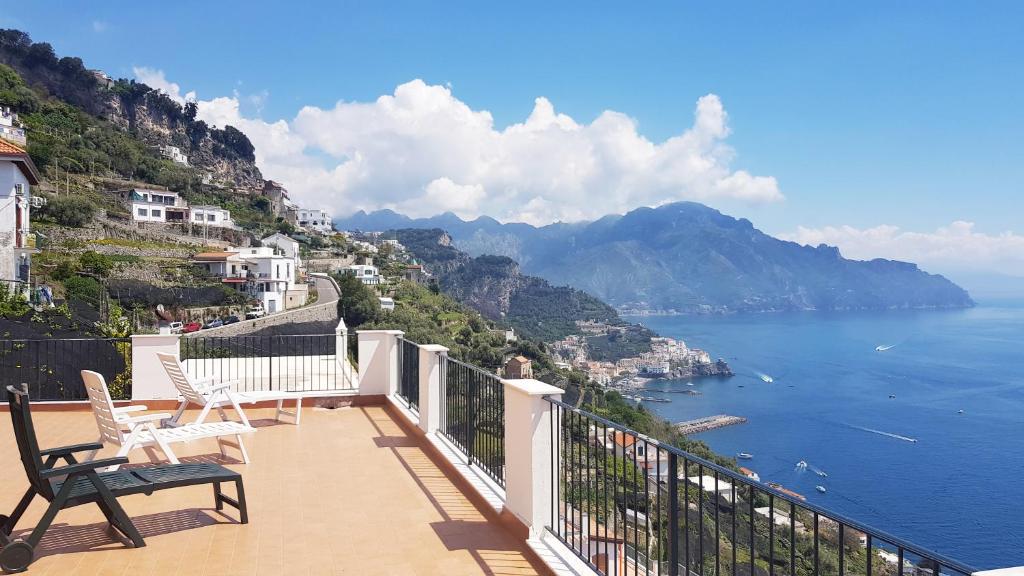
473,415
627,504
277,362
409,373
52,368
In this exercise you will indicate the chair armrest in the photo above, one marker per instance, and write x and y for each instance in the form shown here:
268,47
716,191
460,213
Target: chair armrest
226,385
144,418
65,450
132,408
83,467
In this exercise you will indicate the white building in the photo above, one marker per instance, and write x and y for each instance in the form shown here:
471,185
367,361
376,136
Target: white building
387,304
17,175
316,220
709,484
367,273
211,216
174,154
156,206
10,128
286,245
258,271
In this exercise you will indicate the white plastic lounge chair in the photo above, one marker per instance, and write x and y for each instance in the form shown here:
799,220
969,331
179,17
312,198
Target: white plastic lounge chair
203,392
129,432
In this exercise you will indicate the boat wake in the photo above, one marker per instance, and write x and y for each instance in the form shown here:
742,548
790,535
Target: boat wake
889,434
884,347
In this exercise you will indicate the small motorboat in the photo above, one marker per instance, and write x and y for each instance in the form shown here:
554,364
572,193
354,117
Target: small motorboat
892,395
801,465
960,412
744,456
820,488
821,473
767,379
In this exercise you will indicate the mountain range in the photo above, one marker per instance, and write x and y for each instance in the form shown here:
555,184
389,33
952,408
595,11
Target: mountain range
688,258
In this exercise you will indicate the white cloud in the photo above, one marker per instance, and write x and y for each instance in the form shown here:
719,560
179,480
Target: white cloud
155,79
99,26
421,150
954,247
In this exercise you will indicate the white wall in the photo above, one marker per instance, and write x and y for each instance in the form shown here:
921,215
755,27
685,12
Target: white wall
9,177
148,208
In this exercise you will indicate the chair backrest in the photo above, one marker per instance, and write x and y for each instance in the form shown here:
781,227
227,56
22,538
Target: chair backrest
25,435
102,407
176,372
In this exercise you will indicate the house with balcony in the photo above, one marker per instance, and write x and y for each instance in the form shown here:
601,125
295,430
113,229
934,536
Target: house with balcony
174,154
259,271
213,216
366,273
17,243
159,206
315,220
285,245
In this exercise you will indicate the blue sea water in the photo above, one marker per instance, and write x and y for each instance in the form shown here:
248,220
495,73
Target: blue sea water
956,491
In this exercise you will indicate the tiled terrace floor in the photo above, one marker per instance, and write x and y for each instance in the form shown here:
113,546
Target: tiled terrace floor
348,492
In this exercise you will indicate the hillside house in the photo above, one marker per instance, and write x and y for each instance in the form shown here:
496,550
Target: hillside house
161,206
17,175
315,220
10,128
213,216
416,273
285,245
518,367
260,272
367,273
174,154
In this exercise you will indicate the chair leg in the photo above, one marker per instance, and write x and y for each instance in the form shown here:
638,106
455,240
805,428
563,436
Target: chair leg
204,413
176,419
162,444
243,510
11,521
217,496
241,448
51,511
120,518
298,410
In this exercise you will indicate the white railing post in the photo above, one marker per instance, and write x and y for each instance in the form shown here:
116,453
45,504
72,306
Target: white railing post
378,362
528,450
149,379
431,356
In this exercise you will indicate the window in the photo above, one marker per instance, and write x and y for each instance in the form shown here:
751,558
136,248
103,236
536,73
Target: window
143,212
155,213
210,217
277,271
19,189
198,217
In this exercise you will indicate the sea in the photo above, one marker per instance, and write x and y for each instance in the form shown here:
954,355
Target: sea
950,380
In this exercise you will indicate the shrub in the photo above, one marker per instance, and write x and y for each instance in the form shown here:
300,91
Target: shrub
69,211
99,264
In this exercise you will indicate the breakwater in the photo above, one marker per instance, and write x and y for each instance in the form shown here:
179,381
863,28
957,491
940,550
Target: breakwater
708,423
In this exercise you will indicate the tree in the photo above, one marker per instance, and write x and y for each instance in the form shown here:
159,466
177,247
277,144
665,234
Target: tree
96,263
357,304
69,211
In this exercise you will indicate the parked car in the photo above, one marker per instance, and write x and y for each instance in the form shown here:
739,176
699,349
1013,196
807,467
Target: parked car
215,323
176,327
191,327
230,320
257,312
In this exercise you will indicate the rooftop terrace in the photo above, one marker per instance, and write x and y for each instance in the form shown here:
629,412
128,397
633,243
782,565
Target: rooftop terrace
350,491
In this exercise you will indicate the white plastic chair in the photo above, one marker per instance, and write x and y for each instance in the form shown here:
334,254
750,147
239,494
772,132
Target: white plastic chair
201,392
117,426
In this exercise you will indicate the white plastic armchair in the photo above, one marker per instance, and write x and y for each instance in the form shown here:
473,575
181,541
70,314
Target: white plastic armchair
202,392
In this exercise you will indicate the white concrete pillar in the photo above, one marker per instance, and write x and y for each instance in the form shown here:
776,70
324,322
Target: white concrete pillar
1017,571
378,361
430,386
149,379
528,449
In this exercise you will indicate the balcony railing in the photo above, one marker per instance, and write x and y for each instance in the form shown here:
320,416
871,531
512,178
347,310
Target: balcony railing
472,415
52,368
409,373
627,504
296,363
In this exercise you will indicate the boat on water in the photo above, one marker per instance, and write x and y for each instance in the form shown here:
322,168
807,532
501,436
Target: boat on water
744,456
820,488
801,465
767,379
960,412
821,473
892,395
884,347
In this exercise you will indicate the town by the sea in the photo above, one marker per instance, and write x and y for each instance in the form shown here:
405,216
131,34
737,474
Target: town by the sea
915,417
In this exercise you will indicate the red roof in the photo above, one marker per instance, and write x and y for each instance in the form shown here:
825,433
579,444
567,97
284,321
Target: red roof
17,155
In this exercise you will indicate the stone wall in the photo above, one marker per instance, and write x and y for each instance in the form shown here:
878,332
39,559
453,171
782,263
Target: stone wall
317,313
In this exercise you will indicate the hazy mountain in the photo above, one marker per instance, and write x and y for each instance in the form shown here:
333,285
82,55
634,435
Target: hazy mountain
689,258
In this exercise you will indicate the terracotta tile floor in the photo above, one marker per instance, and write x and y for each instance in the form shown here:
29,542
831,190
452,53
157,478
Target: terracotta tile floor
348,492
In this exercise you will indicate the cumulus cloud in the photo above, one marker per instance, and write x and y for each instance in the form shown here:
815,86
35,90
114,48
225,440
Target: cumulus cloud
954,247
420,150
157,80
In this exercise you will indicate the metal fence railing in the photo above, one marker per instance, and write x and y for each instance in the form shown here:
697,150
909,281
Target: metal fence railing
627,504
473,415
301,363
409,373
52,368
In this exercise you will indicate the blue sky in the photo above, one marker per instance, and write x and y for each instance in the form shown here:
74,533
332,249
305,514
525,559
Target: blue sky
902,114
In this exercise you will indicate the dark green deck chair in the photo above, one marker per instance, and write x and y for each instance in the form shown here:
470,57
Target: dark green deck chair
80,483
